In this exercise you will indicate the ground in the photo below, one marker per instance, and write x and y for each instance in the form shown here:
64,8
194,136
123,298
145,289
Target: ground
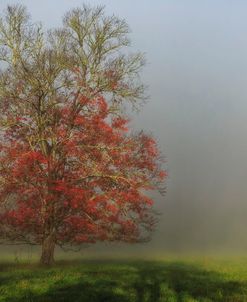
171,280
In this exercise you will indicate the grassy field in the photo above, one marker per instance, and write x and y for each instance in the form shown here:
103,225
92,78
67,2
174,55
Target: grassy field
169,280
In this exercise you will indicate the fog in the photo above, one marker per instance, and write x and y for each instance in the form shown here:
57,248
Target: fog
196,71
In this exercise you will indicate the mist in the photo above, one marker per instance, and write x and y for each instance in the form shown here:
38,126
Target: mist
197,109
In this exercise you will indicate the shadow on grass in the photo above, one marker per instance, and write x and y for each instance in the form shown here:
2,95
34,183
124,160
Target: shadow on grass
130,282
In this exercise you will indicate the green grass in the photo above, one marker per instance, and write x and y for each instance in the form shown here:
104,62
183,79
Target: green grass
124,281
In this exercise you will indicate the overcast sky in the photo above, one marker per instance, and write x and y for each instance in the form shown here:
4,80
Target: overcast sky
197,75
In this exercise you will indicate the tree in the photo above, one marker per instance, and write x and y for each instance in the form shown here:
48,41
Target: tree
71,170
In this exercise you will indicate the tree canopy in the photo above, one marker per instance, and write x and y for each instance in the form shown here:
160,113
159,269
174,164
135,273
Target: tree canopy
72,172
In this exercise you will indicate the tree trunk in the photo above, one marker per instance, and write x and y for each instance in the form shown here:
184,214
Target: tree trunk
48,247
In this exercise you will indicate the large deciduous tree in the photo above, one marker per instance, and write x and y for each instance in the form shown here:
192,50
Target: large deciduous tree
71,171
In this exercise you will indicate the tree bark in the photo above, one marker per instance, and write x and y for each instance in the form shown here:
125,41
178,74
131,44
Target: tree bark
48,248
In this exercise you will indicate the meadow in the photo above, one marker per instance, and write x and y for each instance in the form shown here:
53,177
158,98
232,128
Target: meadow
167,280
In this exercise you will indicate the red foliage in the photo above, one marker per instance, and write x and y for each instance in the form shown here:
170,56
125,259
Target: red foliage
85,179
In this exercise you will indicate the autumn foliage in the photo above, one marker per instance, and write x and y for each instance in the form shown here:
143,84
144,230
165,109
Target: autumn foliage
72,172
90,189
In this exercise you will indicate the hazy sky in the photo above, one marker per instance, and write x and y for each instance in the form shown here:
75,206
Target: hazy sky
197,76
